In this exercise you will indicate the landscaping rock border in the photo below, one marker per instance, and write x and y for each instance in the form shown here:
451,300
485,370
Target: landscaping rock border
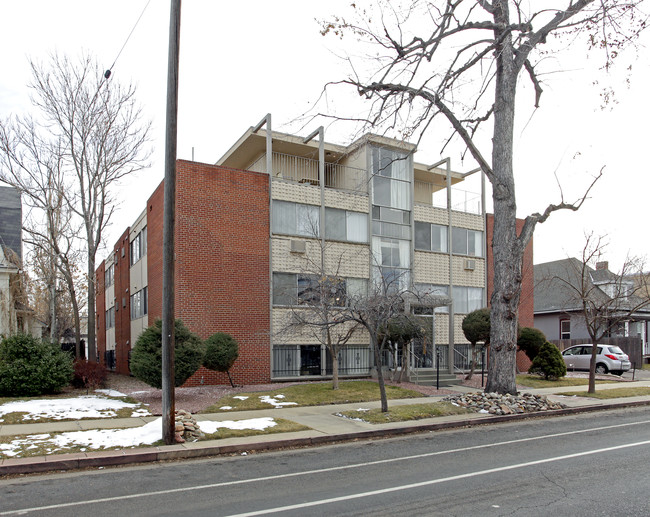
496,404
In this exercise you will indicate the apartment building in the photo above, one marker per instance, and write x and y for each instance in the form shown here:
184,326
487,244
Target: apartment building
250,227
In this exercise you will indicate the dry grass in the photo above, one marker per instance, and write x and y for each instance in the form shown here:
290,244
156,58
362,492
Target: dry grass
282,426
313,394
535,382
406,413
613,393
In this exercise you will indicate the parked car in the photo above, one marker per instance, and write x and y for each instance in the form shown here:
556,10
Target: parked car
609,358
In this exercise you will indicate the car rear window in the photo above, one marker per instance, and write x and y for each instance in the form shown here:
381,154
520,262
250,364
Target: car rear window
615,350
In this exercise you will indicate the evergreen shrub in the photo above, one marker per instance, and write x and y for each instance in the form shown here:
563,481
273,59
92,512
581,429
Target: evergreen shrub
548,362
30,367
146,356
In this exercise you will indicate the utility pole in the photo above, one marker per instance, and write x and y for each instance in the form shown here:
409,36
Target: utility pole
168,402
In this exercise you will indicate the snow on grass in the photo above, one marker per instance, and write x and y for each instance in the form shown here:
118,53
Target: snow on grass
240,397
276,403
111,438
86,406
111,393
256,424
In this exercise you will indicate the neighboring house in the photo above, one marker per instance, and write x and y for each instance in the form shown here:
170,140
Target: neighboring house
242,236
559,313
15,315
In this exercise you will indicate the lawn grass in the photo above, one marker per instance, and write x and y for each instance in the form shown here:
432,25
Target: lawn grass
312,394
613,393
535,382
405,413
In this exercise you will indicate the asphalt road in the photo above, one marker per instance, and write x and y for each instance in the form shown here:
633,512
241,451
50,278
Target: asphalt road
582,465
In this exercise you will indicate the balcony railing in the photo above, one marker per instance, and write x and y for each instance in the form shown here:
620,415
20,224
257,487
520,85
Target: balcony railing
305,171
461,200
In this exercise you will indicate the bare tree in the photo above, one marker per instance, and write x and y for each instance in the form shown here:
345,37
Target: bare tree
92,128
606,300
318,307
462,64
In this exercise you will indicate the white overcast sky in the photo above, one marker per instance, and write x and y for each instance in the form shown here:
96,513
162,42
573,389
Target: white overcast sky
241,60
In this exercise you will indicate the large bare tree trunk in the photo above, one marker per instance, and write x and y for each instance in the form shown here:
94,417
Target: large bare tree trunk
506,249
92,345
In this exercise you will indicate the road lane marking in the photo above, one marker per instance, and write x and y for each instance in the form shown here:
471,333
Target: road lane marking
433,481
315,471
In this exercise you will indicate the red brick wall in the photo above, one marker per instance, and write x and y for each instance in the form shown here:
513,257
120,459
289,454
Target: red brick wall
122,303
154,253
526,301
100,311
222,263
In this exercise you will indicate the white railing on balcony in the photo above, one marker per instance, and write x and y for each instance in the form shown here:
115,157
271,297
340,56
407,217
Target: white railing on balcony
305,170
461,200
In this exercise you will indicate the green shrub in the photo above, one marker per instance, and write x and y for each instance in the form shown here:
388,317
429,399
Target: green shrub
30,367
530,341
146,357
221,351
548,362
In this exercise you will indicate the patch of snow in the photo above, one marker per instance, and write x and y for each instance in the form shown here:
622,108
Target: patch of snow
225,408
240,397
257,424
270,400
483,411
279,396
363,409
111,393
87,406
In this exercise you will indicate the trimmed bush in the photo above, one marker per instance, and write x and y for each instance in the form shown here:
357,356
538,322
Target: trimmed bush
88,375
530,341
221,351
146,357
548,362
31,367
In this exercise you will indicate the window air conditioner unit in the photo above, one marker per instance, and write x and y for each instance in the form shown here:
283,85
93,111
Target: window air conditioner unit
298,246
470,264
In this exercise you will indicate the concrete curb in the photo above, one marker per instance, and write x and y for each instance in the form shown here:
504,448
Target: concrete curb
75,461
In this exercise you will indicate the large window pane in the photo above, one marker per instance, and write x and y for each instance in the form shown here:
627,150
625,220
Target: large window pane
307,220
459,240
284,217
422,236
439,238
335,227
357,226
284,288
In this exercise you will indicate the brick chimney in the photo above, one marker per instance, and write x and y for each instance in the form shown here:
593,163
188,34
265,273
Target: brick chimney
602,265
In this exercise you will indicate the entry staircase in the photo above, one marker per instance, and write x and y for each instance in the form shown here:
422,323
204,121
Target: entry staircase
427,377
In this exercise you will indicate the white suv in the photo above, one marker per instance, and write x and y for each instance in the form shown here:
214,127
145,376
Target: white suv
609,358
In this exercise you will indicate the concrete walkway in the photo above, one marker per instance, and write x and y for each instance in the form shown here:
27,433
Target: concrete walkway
325,427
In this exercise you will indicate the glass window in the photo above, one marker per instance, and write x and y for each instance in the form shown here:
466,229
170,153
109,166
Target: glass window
439,238
284,288
110,318
335,224
467,242
467,299
422,236
295,219
390,173
108,275
430,237
565,329
357,287
346,226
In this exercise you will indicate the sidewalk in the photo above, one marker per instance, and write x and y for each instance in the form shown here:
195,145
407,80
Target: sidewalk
325,428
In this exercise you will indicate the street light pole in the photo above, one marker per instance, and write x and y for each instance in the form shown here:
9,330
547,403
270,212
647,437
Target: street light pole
168,403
